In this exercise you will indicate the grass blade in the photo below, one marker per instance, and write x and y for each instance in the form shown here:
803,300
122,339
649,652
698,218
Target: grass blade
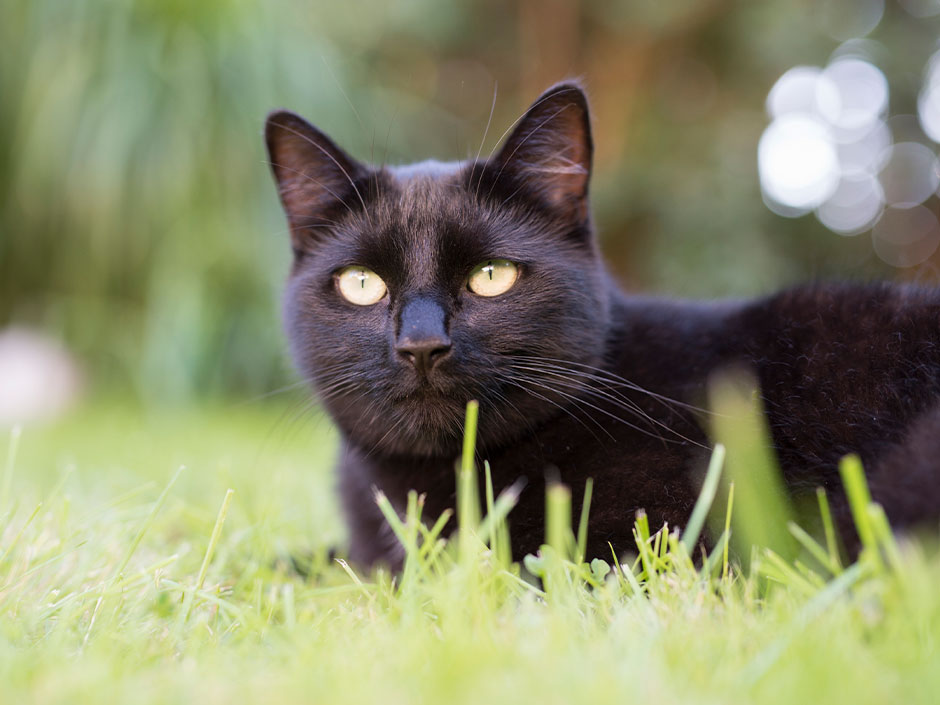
829,528
856,489
814,549
468,500
15,433
705,498
558,518
214,538
727,532
147,523
740,424
470,436
206,561
583,523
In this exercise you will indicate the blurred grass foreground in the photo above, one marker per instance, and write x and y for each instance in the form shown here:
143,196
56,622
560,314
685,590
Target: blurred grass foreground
125,578
139,227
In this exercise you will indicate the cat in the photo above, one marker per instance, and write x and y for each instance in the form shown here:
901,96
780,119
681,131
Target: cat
416,288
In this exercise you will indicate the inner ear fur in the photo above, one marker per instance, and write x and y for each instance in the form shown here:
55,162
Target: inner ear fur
550,150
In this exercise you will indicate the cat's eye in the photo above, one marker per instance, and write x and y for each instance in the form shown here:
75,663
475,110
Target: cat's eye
360,286
493,277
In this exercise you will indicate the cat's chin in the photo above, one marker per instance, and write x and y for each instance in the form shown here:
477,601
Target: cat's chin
433,427
416,425
426,426
409,437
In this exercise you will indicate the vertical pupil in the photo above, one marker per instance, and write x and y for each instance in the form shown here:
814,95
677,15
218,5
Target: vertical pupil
489,270
362,280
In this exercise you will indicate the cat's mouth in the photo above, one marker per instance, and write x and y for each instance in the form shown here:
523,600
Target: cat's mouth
425,388
428,400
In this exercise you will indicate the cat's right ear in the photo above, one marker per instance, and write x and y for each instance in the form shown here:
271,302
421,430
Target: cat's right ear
550,150
313,175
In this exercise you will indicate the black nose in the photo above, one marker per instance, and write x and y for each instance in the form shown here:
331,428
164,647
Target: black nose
422,337
424,354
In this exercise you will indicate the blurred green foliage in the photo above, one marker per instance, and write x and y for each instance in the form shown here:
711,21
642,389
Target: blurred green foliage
137,217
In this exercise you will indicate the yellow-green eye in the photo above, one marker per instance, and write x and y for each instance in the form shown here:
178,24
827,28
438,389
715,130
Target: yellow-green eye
493,277
360,286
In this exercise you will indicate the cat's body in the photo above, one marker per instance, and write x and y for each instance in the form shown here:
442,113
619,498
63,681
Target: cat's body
821,404
574,378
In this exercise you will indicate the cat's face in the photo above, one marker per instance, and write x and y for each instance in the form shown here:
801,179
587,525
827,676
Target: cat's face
415,289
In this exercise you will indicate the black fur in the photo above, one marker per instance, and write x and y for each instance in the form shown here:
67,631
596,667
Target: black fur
573,377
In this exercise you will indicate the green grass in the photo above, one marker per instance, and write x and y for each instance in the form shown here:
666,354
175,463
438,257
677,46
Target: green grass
123,579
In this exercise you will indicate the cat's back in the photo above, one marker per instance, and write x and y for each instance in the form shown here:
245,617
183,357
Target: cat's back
853,337
823,317
841,312
843,368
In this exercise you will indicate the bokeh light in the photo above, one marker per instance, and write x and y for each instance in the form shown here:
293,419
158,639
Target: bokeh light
798,91
854,206
869,152
798,163
911,174
860,97
832,148
928,103
844,19
826,136
921,8
905,237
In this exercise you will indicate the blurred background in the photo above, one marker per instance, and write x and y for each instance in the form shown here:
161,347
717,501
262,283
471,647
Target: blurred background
740,146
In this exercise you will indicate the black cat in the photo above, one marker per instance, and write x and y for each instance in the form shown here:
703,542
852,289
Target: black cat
417,288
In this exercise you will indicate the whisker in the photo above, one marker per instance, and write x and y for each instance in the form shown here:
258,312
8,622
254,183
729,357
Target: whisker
607,374
564,409
615,398
519,119
486,130
582,402
375,446
340,87
318,221
272,393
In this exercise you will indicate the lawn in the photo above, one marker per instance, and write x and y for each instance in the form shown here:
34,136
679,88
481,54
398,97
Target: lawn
126,579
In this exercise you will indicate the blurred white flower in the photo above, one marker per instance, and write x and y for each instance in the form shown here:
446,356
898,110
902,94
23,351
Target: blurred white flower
38,378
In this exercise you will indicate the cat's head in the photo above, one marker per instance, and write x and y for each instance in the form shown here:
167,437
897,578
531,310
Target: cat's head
417,288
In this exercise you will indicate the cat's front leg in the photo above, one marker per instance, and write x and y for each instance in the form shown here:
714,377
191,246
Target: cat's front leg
372,542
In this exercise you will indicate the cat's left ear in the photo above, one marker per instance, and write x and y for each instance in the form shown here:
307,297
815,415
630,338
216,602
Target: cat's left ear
313,174
550,150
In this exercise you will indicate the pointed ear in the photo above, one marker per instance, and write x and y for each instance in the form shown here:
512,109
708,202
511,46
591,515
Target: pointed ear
313,175
550,150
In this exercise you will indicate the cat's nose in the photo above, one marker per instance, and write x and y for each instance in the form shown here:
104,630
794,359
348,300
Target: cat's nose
422,337
424,354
